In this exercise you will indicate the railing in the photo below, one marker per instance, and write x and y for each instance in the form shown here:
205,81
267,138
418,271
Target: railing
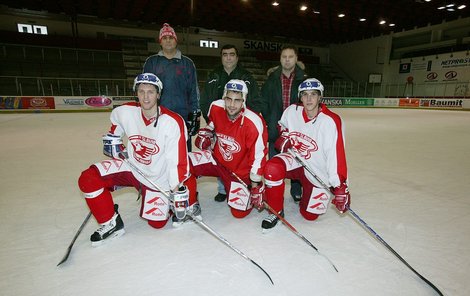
51,86
451,89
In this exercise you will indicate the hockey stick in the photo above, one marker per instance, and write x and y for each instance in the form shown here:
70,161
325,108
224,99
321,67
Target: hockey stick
69,249
200,223
292,228
363,223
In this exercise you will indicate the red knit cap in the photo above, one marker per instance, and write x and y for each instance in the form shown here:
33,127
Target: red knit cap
167,30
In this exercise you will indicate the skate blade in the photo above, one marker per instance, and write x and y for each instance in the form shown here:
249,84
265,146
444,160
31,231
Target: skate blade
115,234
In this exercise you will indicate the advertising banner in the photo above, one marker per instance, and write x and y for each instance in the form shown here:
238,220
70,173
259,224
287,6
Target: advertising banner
83,103
441,103
27,103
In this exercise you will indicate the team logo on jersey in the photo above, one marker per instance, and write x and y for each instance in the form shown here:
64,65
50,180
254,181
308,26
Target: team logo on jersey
304,145
144,148
227,146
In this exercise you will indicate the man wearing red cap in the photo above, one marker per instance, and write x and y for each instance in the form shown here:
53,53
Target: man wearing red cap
178,75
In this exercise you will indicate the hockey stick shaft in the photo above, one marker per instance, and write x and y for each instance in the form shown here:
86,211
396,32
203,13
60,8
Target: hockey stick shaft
285,222
200,223
69,249
363,223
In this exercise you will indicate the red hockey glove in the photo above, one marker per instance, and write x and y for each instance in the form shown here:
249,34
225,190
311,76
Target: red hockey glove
283,143
204,139
257,196
342,198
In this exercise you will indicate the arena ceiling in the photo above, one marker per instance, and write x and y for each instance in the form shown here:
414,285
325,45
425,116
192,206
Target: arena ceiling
319,22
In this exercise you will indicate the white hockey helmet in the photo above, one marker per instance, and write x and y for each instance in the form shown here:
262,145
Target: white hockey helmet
310,84
150,79
236,85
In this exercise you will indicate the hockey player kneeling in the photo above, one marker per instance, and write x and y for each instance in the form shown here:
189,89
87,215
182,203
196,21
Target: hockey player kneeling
234,142
315,135
156,145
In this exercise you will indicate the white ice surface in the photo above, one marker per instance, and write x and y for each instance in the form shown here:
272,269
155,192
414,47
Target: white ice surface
409,176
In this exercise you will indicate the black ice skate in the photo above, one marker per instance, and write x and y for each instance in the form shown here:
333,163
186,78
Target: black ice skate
220,197
195,210
270,221
109,230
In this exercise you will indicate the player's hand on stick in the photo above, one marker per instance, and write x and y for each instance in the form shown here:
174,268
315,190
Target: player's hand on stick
257,196
204,139
342,199
180,199
283,143
113,146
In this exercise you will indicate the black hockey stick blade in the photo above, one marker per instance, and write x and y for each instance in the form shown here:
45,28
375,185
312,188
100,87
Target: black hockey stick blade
380,239
69,249
292,228
222,239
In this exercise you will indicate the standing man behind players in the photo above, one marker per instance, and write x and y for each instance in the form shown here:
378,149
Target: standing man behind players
214,89
220,75
279,92
234,141
156,145
178,74
316,135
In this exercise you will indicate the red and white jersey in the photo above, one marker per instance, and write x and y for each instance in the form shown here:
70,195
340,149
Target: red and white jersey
319,141
160,151
241,144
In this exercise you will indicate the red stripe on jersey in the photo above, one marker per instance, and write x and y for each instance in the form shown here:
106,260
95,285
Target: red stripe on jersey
340,153
183,162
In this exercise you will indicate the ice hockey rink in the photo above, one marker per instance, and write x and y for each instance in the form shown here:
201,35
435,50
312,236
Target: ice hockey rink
409,173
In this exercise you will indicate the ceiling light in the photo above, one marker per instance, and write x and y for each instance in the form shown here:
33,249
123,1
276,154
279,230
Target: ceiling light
450,5
362,19
441,7
427,0
275,3
461,6
341,15
316,11
382,22
303,7
391,25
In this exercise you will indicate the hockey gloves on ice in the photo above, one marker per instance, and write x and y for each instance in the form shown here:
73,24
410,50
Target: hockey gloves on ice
204,139
180,200
113,146
194,122
257,196
342,198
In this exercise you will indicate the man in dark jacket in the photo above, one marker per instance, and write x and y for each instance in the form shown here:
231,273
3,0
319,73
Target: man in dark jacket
277,93
220,75
178,74
214,89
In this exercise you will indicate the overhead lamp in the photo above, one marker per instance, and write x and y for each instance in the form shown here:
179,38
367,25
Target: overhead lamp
391,25
341,15
275,3
362,19
382,22
462,6
316,11
303,7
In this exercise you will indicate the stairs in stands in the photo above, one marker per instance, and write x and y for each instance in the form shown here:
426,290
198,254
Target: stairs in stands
134,52
255,67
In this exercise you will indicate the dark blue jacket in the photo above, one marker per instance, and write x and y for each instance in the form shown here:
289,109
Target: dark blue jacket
178,75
